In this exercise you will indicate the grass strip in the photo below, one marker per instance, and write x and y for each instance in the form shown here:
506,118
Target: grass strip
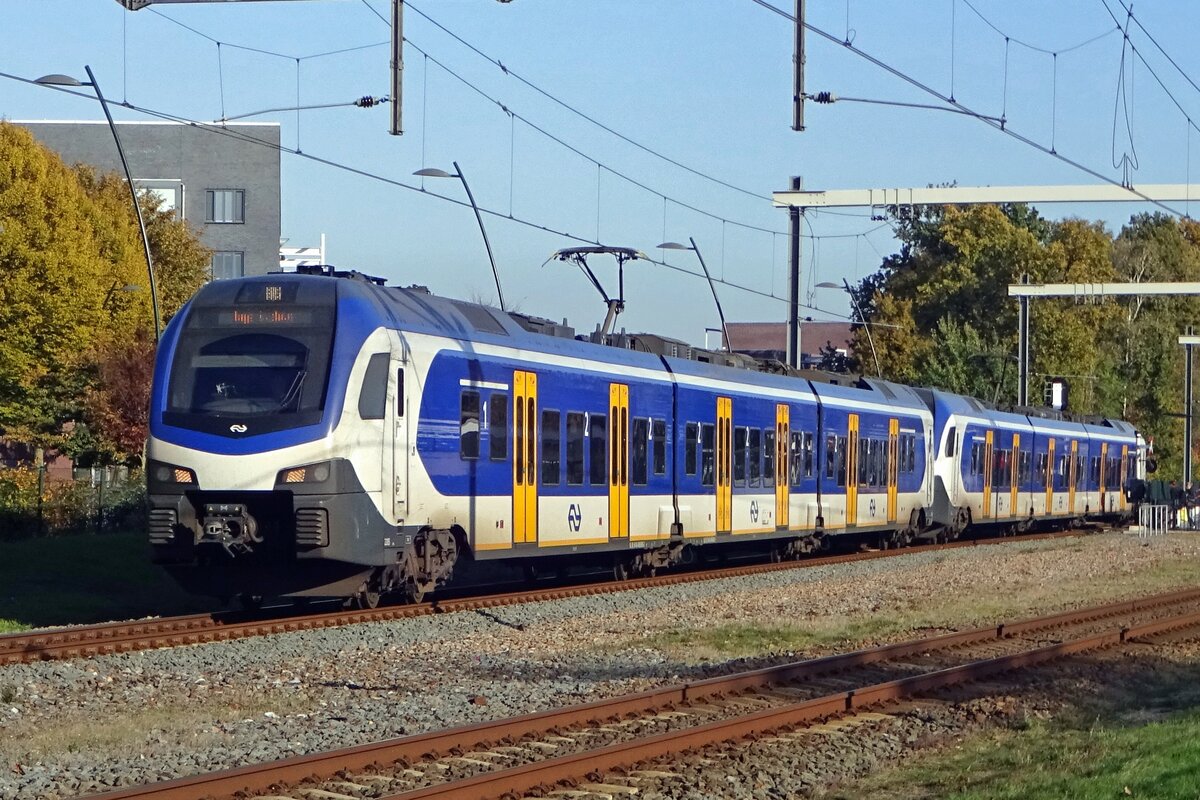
88,578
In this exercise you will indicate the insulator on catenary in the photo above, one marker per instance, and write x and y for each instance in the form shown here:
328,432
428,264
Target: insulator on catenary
367,101
823,97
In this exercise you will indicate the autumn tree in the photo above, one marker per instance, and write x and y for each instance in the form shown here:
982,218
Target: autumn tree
941,316
73,287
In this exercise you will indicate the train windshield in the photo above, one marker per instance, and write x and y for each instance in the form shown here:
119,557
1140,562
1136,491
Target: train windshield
265,365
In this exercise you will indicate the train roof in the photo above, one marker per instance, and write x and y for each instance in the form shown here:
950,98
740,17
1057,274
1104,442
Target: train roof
418,310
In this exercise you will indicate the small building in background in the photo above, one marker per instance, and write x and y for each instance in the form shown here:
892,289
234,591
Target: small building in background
769,340
225,183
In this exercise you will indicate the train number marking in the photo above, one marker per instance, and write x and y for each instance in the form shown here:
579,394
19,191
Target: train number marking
574,517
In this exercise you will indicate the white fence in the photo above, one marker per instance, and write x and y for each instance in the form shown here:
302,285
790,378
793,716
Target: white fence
1153,520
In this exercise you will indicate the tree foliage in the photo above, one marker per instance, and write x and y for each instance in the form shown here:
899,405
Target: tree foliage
941,316
74,289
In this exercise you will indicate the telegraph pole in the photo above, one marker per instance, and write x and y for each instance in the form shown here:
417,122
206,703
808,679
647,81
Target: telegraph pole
795,218
397,67
798,75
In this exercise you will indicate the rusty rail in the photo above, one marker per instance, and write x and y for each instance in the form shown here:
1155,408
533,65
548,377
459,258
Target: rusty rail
85,641
243,781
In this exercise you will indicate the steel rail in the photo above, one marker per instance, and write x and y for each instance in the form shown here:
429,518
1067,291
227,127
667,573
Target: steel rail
243,781
121,637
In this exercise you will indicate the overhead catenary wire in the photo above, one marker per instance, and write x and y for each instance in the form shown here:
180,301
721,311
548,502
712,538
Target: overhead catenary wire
502,106
1005,129
571,108
595,161
223,131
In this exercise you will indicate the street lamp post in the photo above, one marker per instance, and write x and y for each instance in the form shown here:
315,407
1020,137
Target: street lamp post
67,80
712,288
866,325
433,172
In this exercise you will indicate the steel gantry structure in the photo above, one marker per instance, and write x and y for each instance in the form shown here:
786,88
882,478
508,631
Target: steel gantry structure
797,200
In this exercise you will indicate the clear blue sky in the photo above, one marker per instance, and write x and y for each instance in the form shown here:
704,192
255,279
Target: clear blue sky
706,83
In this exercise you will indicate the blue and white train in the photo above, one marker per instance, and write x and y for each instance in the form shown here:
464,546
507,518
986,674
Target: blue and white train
314,435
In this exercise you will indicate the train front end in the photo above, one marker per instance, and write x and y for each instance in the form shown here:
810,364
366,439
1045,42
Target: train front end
244,474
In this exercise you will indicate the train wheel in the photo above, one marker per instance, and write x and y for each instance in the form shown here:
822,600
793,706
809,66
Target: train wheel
412,592
620,569
367,598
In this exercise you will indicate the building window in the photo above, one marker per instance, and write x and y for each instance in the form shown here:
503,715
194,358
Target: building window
228,264
225,206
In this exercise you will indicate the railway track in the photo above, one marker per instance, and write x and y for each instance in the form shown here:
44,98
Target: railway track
85,641
581,746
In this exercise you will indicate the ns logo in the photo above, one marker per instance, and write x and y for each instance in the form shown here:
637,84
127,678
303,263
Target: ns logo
238,427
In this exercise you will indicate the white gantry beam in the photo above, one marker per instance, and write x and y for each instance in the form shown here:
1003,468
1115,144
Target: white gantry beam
969,195
1101,289
1189,340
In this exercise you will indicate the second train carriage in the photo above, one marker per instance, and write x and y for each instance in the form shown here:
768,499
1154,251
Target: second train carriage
321,436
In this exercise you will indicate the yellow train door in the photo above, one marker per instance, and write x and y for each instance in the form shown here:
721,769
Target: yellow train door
525,457
987,475
618,461
724,465
1014,474
1072,476
893,467
852,471
1050,477
782,464
1122,472
1103,474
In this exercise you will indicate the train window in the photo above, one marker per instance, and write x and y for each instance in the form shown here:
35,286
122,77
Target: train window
831,451
808,455
707,459
975,458
598,451
400,392
768,458
498,427
881,462
950,439
551,449
912,453
796,456
575,448
468,425
842,467
372,396
739,456
754,473
691,440
658,436
640,442
864,461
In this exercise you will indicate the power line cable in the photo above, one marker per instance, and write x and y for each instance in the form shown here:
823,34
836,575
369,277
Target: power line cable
564,104
599,164
896,72
1150,36
1047,51
261,51
222,131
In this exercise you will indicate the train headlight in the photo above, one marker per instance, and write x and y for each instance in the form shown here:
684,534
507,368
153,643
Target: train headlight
171,474
310,473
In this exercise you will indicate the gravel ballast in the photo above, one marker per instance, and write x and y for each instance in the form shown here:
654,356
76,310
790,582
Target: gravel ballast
74,727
